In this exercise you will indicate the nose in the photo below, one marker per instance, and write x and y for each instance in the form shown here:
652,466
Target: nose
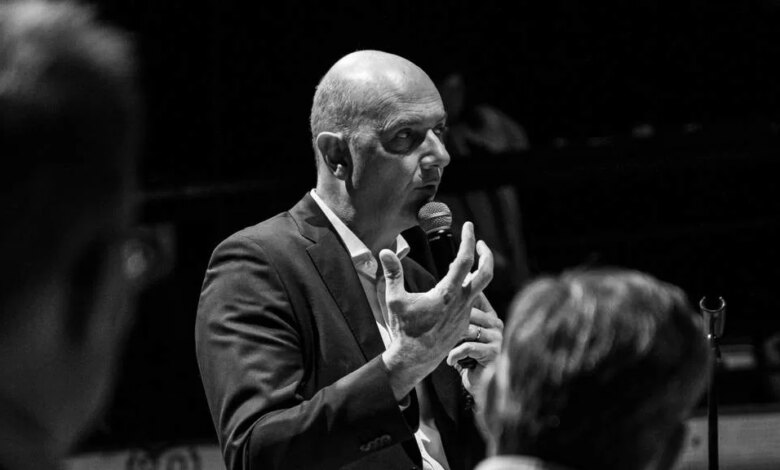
434,154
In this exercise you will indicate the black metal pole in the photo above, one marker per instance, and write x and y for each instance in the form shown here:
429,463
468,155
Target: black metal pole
714,322
712,409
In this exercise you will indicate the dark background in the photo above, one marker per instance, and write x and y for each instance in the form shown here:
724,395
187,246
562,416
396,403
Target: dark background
228,88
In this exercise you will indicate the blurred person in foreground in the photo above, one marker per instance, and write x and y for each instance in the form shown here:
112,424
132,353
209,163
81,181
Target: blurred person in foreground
598,370
68,132
313,354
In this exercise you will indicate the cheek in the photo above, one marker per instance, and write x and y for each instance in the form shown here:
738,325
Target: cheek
364,164
380,172
397,177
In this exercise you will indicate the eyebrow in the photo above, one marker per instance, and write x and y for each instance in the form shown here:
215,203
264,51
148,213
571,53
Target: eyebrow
414,120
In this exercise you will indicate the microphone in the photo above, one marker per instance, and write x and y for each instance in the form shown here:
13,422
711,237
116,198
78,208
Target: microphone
435,219
714,316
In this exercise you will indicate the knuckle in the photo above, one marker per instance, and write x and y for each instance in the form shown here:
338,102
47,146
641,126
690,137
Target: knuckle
396,304
447,294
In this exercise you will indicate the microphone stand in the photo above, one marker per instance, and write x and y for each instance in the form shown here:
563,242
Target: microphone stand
714,320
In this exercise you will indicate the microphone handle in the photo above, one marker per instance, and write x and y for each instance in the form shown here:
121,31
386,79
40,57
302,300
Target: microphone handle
442,246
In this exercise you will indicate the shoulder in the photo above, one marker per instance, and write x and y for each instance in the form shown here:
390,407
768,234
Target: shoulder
277,227
276,235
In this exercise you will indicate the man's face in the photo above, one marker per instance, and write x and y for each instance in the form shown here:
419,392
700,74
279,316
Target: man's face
399,159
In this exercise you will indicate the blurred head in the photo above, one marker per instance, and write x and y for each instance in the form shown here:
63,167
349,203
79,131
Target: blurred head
68,120
377,124
598,369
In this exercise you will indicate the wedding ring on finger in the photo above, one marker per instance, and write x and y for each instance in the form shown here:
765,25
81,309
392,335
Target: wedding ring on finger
479,333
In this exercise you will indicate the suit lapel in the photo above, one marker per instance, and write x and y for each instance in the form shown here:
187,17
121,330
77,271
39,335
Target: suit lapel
335,267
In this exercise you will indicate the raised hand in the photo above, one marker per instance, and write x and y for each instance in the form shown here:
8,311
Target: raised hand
426,326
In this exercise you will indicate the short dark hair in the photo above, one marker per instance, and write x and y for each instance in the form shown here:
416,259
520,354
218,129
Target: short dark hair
598,369
69,115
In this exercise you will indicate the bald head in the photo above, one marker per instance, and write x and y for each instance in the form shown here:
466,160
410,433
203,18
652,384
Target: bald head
370,69
362,87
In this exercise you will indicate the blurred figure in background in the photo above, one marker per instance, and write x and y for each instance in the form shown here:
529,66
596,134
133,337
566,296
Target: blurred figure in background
478,131
598,370
68,134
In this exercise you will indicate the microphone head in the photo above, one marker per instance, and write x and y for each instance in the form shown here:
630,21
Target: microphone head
714,315
434,216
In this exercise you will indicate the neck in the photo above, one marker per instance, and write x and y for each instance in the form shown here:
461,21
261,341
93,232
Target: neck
376,231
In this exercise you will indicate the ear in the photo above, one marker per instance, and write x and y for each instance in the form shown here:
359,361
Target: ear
334,152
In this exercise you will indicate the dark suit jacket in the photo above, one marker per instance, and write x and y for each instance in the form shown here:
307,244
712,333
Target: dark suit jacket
289,354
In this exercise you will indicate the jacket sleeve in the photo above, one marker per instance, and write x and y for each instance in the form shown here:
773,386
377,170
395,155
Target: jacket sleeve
251,357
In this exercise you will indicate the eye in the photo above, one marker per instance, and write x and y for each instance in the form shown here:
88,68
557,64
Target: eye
404,135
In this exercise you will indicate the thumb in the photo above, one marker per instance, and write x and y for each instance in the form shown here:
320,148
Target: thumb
394,273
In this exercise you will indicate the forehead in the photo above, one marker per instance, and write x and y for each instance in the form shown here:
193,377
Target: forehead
406,99
403,113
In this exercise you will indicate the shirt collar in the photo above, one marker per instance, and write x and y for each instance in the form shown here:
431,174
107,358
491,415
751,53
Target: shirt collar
361,256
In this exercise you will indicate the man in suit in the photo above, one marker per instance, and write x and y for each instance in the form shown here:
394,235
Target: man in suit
598,370
312,354
68,137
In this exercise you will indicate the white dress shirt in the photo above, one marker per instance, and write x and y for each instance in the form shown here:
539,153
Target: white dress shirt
373,281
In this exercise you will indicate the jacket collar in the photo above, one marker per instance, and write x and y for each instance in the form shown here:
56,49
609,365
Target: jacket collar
334,265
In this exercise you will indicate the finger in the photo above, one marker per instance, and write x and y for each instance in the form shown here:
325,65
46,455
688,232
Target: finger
481,334
484,273
483,304
485,319
473,333
467,279
394,274
470,334
458,367
464,260
482,353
